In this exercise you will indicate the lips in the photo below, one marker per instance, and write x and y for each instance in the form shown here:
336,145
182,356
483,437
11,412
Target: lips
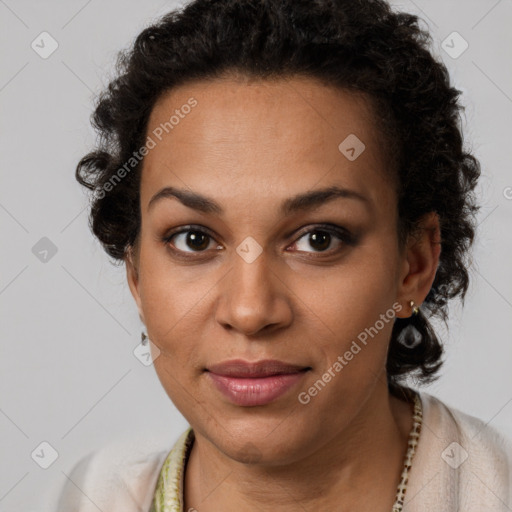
252,384
264,368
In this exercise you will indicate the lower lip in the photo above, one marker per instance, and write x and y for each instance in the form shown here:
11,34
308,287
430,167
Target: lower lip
255,391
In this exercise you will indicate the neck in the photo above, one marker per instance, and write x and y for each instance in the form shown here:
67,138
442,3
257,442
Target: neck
359,469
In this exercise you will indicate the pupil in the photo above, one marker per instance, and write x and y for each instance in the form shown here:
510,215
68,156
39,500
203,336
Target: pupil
321,241
197,240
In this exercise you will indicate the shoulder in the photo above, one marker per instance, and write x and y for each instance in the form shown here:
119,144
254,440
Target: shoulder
487,444
460,460
116,477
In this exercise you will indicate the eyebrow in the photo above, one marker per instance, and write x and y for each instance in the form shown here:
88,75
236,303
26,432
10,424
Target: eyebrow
298,203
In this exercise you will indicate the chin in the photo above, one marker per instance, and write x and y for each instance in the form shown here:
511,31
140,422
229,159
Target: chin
262,441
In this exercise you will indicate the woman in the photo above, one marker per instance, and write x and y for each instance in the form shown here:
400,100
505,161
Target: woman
286,184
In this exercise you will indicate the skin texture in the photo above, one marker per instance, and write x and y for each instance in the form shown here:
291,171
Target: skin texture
249,145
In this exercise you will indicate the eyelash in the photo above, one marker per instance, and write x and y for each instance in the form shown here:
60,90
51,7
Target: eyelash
342,234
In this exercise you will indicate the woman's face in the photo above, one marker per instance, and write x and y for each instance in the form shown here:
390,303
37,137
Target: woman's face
262,274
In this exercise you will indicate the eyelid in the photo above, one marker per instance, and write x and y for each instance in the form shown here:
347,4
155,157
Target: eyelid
341,232
189,227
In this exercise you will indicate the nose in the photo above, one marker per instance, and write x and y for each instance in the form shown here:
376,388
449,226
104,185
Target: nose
253,297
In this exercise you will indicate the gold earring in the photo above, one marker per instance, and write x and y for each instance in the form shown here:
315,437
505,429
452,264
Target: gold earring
415,309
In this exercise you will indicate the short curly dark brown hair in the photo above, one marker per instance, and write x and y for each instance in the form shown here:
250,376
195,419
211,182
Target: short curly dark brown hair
356,45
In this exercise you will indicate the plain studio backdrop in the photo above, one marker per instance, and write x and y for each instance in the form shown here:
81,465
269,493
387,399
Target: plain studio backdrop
70,380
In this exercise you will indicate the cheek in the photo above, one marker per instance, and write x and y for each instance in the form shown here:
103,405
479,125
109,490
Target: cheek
171,310
165,295
351,349
170,303
356,305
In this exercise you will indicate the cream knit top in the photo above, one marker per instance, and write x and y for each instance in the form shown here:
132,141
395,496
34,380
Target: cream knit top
454,462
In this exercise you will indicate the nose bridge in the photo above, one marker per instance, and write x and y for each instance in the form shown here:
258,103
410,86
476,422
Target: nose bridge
251,297
251,269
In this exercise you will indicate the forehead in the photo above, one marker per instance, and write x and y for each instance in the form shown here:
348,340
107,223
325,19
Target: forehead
287,133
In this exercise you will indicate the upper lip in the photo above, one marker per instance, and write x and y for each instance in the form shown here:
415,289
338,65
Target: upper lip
263,368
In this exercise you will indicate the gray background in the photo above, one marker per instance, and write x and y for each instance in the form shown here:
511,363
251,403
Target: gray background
69,325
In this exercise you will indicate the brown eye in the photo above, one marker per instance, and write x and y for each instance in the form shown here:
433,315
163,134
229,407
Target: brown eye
190,240
321,239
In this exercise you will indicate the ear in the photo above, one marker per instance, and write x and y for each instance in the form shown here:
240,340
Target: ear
132,276
420,264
